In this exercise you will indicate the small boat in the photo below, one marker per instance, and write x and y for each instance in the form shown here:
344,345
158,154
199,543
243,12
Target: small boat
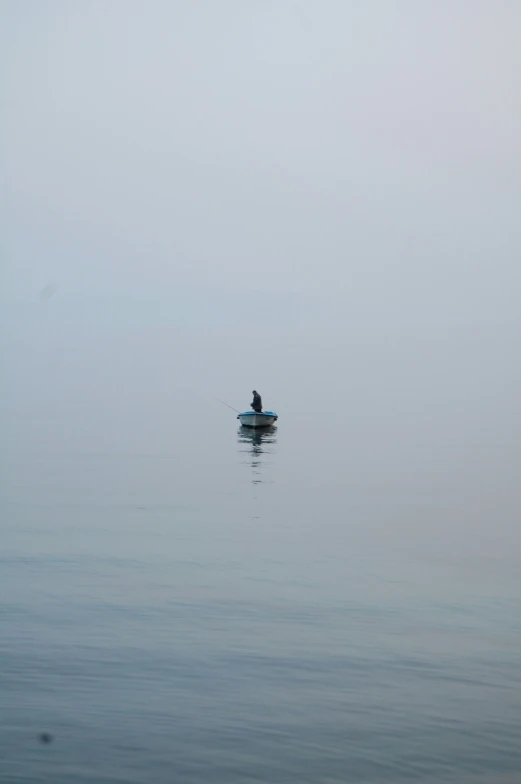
256,419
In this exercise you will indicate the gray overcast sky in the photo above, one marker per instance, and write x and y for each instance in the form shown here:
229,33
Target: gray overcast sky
356,163
348,149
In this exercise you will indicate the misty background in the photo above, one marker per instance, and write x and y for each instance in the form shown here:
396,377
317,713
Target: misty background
320,201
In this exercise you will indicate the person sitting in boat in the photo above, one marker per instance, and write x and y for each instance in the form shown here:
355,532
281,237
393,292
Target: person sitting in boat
257,402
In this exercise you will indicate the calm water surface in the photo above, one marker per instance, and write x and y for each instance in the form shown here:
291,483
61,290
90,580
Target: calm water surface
184,601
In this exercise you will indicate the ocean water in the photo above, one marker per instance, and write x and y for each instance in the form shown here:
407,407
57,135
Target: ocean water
336,600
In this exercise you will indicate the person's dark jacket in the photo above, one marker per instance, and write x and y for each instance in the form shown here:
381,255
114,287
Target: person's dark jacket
257,402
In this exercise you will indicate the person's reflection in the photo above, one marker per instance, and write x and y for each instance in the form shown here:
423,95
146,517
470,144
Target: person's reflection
258,441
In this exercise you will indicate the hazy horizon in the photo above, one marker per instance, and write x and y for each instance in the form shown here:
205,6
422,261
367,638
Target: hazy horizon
320,201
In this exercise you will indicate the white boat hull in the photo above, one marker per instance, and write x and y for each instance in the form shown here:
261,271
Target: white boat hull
252,419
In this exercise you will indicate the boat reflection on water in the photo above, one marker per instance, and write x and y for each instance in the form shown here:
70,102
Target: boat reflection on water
258,443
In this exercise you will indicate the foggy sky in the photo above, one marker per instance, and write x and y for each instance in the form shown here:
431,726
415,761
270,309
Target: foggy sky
336,184
365,153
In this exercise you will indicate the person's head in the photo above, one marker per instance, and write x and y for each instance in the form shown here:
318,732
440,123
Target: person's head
254,392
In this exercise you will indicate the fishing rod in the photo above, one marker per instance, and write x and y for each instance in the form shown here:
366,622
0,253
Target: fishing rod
227,406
